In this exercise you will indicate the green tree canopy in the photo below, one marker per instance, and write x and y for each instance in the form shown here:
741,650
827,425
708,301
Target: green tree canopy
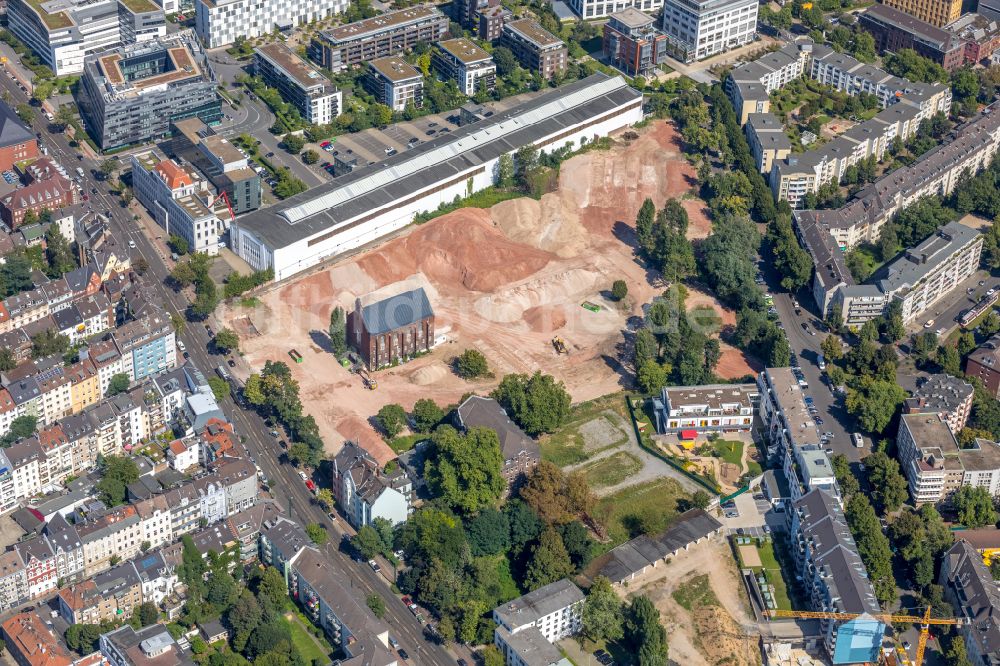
539,404
466,471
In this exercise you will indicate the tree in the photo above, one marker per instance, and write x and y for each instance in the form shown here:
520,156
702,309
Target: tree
376,604
21,427
602,613
293,143
8,361
58,253
874,402
426,414
644,634
974,506
888,485
842,472
83,638
368,542
619,290
117,473
324,496
317,534
538,404
49,342
338,331
832,351
471,364
226,341
505,60
310,156
118,383
108,167
489,533
505,171
65,115
220,388
465,471
391,419
381,115
701,499
549,561
221,590
491,656
25,113
178,244
873,546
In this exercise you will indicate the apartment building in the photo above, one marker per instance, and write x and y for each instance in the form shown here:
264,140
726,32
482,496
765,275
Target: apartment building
591,9
132,94
30,642
521,454
709,408
13,581
63,33
632,43
365,492
485,18
108,596
395,83
220,161
947,396
384,35
698,29
894,30
827,562
750,85
51,195
220,22
152,645
767,140
469,66
526,625
147,345
281,541
299,83
537,49
179,200
979,33
115,533
984,363
935,12
934,464
970,589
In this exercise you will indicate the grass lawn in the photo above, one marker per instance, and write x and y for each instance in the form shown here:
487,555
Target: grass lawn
695,593
708,319
772,569
567,446
646,507
730,451
404,443
612,470
307,645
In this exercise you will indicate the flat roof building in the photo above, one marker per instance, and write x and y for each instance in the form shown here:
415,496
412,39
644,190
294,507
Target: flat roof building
767,139
894,30
980,34
299,83
395,83
935,12
632,43
948,397
462,61
708,408
537,49
697,29
376,200
132,94
384,35
591,9
217,158
220,22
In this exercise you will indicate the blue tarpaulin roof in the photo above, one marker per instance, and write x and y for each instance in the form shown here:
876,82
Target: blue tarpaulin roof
858,641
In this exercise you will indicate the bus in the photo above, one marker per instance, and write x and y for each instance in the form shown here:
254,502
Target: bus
858,440
978,309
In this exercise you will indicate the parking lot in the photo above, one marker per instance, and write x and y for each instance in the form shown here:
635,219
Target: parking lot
751,515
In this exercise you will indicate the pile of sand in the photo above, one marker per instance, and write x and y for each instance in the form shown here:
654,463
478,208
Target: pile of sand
721,640
549,224
430,374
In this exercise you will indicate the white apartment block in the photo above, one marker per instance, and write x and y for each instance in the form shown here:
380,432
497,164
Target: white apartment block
531,623
697,29
590,9
220,22
395,83
710,408
299,83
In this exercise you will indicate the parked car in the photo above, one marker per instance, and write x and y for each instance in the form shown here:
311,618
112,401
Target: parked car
403,655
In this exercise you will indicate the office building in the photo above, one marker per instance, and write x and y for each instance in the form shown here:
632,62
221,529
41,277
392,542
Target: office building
934,464
469,66
591,9
632,43
213,155
537,49
64,33
132,94
935,12
220,22
374,201
299,83
395,83
697,29
767,140
894,30
704,409
384,35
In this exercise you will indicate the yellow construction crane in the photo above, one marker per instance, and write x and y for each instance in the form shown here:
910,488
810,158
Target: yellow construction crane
925,623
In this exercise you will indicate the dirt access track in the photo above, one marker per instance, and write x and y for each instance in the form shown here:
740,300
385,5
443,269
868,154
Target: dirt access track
504,281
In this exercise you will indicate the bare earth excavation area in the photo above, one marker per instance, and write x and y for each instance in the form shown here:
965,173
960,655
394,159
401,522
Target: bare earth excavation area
504,281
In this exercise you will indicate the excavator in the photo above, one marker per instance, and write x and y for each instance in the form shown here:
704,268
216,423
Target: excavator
560,345
369,382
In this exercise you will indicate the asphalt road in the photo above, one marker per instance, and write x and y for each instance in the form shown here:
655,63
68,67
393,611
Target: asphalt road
286,485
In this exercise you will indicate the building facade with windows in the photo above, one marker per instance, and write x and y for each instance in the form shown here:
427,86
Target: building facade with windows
299,83
395,83
537,49
469,66
698,29
220,22
632,43
935,12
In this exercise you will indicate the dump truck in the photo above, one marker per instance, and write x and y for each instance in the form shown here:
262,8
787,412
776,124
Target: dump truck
560,345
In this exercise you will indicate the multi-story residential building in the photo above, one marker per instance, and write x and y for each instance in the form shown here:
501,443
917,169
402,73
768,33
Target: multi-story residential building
894,30
31,643
38,196
157,577
17,142
108,596
975,598
521,454
384,35
116,533
299,83
67,547
13,581
979,33
750,85
767,139
984,363
947,396
934,464
542,617
469,66
39,565
132,94
393,329
709,408
365,492
155,521
591,9
281,541
147,345
537,49
632,43
935,12
827,562
179,201
65,32
697,29
152,645
213,155
27,464
395,83
220,22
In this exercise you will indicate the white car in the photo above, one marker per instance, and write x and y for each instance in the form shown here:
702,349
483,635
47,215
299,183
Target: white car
303,475
131,244
990,292
928,323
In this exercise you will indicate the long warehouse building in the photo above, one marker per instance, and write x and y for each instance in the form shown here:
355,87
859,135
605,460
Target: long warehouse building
371,202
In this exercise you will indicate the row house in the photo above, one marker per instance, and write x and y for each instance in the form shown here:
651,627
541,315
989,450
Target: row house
36,567
109,596
115,533
90,316
107,361
247,525
147,345
85,385
157,577
155,521
39,566
13,580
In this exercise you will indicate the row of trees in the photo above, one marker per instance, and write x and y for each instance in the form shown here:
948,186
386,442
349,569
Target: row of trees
275,394
195,270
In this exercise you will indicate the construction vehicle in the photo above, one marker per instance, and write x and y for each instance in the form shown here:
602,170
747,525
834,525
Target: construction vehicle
560,345
366,379
925,621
